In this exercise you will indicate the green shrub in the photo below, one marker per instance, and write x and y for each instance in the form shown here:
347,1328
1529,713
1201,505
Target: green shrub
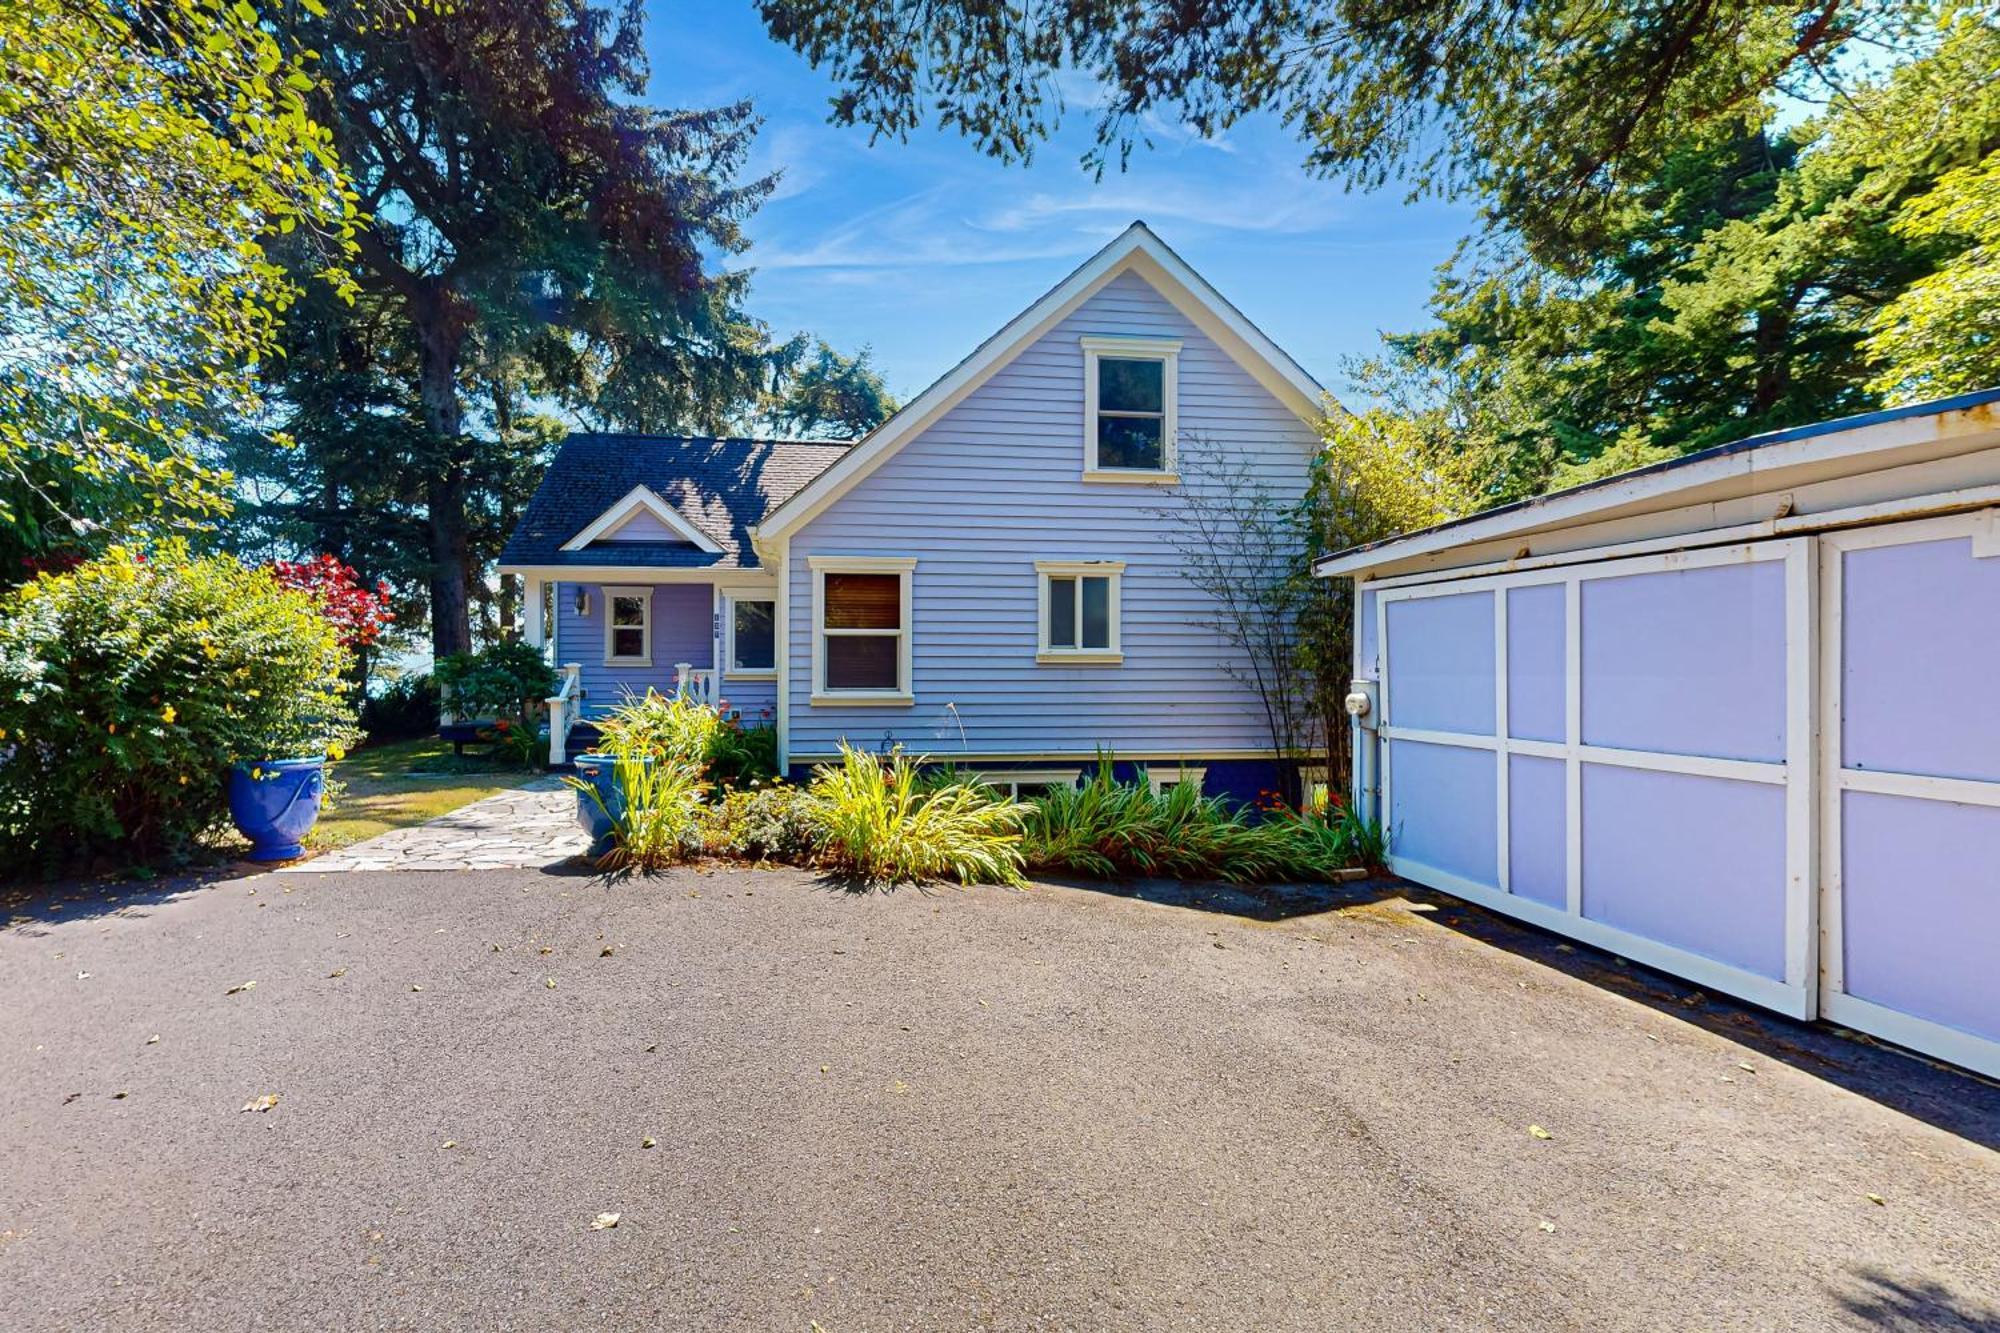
508,680
657,819
402,709
877,824
762,823
129,686
1109,829
738,755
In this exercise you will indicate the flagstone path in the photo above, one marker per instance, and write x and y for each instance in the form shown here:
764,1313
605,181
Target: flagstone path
534,825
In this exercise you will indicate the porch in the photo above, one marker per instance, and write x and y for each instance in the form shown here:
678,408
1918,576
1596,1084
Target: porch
624,632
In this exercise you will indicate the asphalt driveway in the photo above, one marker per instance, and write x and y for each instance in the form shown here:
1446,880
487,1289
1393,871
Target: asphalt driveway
1052,1109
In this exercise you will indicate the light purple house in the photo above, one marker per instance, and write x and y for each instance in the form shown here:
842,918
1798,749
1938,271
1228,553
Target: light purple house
1733,716
989,578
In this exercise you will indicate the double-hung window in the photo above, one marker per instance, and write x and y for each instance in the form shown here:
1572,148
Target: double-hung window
751,634
861,629
1078,606
1129,418
628,626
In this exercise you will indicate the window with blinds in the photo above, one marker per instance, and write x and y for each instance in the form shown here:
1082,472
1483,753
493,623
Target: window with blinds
863,624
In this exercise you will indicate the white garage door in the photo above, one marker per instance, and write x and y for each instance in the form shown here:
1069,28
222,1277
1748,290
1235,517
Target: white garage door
1910,813
1619,751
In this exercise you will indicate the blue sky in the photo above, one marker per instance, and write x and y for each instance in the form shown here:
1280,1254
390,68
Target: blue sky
922,249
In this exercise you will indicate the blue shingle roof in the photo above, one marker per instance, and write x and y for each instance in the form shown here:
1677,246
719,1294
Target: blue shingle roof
722,486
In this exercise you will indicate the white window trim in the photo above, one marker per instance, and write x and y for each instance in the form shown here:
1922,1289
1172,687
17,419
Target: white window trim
730,670
645,595
822,565
1078,569
1164,350
1012,778
1158,779
642,498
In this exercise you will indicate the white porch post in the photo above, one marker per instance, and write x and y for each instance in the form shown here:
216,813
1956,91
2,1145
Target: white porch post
533,630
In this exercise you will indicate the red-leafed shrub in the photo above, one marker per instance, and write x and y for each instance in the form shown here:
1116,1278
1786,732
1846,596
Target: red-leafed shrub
358,614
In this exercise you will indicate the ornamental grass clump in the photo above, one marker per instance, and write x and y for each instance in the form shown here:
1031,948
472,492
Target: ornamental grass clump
1108,829
879,824
131,684
656,812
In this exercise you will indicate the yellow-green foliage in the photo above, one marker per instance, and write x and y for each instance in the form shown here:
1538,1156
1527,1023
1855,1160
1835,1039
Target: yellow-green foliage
659,726
129,686
656,815
149,155
879,824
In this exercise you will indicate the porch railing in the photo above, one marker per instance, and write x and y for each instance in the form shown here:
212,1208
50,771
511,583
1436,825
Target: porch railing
565,707
698,685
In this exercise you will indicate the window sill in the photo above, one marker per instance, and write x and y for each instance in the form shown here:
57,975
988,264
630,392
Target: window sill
862,699
1131,477
752,673
1076,658
628,661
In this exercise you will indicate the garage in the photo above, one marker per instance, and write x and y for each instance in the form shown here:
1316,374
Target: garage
1733,717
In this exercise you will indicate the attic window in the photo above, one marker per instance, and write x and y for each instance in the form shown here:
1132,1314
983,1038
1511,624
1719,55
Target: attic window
1130,387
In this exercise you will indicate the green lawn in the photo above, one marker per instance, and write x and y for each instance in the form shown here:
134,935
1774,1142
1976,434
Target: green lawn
403,783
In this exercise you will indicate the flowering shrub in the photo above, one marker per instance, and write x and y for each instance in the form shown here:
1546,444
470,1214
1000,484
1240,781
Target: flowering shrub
762,822
358,615
130,684
664,726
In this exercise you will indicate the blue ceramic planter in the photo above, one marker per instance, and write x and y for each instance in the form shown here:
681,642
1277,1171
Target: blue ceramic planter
601,772
275,803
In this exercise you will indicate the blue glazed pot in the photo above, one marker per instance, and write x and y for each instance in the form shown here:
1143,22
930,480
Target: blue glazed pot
275,803
600,772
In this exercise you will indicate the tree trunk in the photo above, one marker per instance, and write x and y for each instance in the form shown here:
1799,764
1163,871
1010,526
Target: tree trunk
441,321
1772,354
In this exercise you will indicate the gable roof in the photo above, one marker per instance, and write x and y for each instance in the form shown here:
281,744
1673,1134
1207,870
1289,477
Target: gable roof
1136,249
642,499
720,488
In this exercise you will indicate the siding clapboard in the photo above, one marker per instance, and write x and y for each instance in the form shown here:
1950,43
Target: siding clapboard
994,486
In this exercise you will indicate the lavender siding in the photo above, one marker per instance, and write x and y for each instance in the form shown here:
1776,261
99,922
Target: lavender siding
1688,661
1537,827
1426,779
1536,696
681,633
1919,629
644,526
1441,663
1921,907
1695,862
992,487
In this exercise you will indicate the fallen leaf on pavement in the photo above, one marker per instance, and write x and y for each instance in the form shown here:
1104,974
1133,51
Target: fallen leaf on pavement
153,1040
337,972
604,1222
550,982
1548,1226
1877,1199
263,1103
239,988
1537,1132
645,1143
416,988
83,976
605,952
449,1143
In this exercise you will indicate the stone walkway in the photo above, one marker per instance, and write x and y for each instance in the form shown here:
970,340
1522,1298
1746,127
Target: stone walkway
530,826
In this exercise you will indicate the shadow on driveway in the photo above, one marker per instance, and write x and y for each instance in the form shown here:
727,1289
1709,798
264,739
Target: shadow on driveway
1950,1098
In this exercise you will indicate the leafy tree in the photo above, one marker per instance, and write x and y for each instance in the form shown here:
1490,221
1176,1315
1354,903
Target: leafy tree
832,397
1546,110
148,154
523,210
1380,472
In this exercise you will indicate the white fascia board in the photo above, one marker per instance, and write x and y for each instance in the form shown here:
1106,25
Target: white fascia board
642,498
1136,249
1870,445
